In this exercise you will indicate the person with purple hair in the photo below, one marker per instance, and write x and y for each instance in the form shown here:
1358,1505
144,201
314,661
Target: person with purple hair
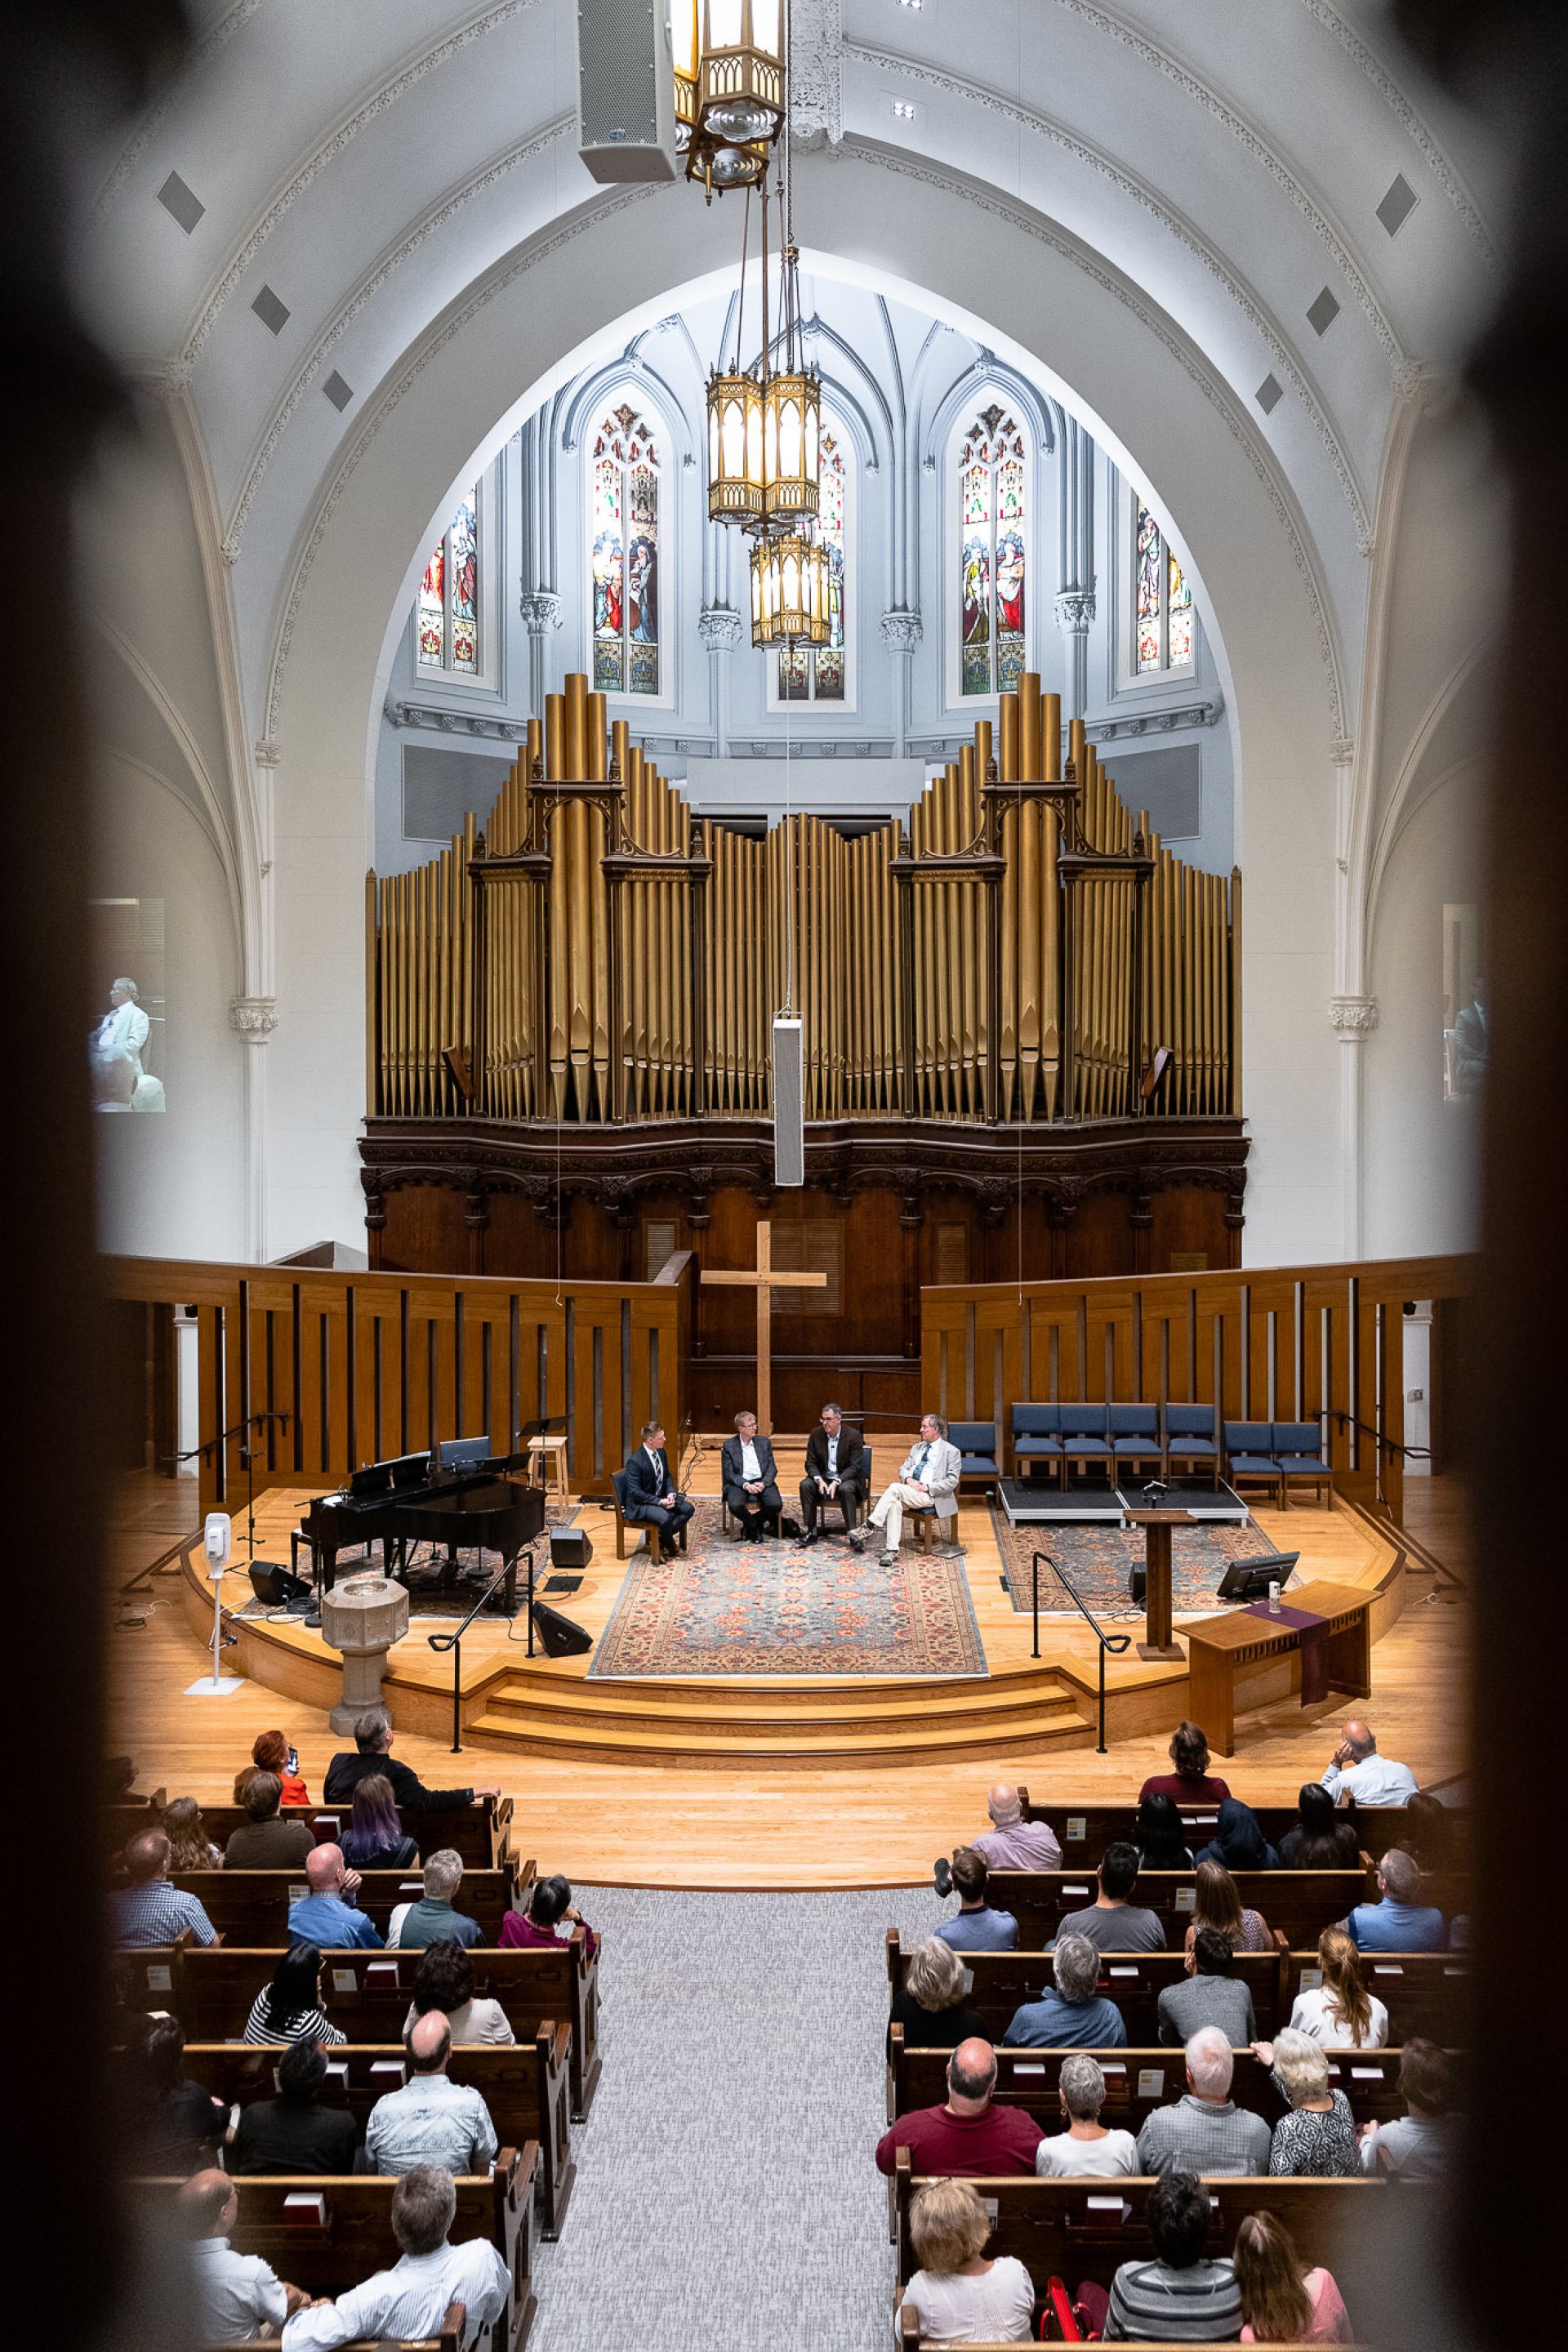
375,1840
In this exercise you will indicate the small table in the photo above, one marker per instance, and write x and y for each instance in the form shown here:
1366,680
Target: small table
551,1452
1221,1647
1156,1526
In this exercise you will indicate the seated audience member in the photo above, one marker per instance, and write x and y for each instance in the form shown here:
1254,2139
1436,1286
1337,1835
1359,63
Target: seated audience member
411,2299
289,2008
1426,1833
237,2295
1113,1923
432,2119
1318,2137
1218,1905
432,1919
330,1916
976,1927
1086,2150
1238,1841
1321,1838
1179,2298
374,1840
147,1911
1211,1995
1340,2012
271,1753
373,1753
119,1781
267,1842
1356,1770
1399,1921
969,2134
1069,2014
172,2124
190,1848
1157,1835
445,1980
1419,2146
1012,1843
1192,1783
294,2132
1284,2304
929,2003
549,1910
961,2297
1206,2131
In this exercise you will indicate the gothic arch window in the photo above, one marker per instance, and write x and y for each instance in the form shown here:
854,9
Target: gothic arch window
1160,602
448,616
993,552
625,553
820,673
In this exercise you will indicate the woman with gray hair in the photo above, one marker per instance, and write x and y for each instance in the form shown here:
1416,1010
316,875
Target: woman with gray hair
929,2003
1319,2136
1086,2148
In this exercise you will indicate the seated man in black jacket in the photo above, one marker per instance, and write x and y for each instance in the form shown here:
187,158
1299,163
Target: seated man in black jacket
373,1744
294,2131
835,1471
653,1499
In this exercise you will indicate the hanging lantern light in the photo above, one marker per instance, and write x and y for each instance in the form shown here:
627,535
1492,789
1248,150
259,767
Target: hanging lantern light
735,476
792,434
740,89
789,601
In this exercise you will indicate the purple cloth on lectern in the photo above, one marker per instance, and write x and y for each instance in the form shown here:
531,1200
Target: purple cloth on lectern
1314,1632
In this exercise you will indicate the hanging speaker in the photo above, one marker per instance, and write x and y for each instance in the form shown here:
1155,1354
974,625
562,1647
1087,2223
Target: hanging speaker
560,1636
789,1101
626,89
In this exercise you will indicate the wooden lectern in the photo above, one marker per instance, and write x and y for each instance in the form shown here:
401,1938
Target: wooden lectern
1156,1526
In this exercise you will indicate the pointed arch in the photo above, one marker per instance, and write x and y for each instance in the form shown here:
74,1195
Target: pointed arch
991,482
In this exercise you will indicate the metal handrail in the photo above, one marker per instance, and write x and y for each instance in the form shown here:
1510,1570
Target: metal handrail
454,1642
1389,1444
1114,1643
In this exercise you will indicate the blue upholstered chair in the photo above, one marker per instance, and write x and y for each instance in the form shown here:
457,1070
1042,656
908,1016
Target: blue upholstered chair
1135,1433
1037,1436
1085,1435
1249,1453
1191,1436
1298,1455
976,1442
643,1527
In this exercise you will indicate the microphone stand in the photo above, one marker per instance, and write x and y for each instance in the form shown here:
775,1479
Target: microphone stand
247,1457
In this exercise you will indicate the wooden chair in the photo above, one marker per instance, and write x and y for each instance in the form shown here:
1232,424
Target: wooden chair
251,1907
655,1546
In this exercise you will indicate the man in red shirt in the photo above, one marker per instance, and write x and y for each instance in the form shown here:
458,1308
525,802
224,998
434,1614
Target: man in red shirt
969,2135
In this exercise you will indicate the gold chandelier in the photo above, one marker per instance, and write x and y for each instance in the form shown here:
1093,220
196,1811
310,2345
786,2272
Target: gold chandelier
728,89
789,590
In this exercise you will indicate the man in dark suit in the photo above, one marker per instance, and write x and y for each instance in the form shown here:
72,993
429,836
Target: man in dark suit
751,1480
835,1471
651,1499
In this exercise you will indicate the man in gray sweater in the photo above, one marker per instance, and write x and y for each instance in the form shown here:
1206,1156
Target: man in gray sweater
1204,2132
1212,1995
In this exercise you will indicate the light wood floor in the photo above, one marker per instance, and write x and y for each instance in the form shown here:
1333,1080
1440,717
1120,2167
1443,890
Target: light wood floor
658,1826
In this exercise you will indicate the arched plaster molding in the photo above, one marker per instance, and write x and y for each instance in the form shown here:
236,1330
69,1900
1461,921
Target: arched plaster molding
1411,792
1177,224
382,270
591,391
937,426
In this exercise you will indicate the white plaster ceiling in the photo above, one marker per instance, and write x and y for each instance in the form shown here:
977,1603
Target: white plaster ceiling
371,164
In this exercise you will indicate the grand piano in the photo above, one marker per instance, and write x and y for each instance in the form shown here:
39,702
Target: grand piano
462,1496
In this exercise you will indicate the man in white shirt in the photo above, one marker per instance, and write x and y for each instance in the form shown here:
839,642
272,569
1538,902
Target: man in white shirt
751,1480
116,1045
237,2295
410,2299
1012,1843
928,1481
432,2119
1356,1770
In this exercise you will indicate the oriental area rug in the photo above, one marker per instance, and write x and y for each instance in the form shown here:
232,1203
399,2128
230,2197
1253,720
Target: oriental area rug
731,1608
1099,1560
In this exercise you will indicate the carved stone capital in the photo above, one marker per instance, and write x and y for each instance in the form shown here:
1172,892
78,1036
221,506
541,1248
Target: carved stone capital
1353,1016
254,1018
541,608
902,631
1342,751
268,752
720,629
1075,611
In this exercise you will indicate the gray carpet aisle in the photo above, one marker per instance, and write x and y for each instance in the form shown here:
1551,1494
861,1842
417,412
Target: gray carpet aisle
726,2195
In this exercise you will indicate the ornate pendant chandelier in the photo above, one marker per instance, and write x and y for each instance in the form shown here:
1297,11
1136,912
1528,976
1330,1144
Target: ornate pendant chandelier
789,590
728,89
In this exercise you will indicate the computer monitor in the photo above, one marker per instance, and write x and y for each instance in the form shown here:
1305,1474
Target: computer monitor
456,1452
1249,1580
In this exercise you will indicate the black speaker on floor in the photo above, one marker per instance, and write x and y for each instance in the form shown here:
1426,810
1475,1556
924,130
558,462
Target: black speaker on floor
560,1637
570,1548
277,1585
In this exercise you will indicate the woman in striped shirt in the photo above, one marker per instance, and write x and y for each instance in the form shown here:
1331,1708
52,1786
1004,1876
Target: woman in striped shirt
290,2007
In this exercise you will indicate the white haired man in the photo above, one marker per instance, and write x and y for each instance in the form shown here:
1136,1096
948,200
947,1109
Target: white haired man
410,2299
928,1481
434,1920
1205,2131
1356,1770
116,1045
1012,1843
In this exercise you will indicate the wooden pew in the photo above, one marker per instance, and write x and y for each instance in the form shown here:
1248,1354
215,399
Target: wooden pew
1136,2083
525,2088
1423,1993
1084,1827
251,1907
1001,1982
911,2340
450,2339
367,1995
1297,1903
1077,2229
481,1832
328,2246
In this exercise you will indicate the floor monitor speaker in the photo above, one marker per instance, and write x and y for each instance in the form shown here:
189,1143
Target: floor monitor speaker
570,1548
560,1637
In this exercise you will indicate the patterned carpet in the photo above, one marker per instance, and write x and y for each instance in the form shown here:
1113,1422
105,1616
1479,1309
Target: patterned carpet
729,1608
1099,1560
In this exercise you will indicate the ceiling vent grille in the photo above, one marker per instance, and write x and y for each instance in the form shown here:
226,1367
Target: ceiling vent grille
1323,313
1270,394
1397,205
339,393
272,313
181,204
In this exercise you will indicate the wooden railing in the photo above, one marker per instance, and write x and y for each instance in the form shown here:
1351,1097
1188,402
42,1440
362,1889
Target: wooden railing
1283,1343
371,1365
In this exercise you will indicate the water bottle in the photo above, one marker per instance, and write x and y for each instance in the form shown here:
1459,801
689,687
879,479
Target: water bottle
1273,1599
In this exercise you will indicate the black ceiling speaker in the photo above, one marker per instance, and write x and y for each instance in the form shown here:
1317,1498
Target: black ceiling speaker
570,1548
560,1637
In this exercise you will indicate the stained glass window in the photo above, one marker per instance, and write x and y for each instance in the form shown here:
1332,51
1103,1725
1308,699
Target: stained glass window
1161,600
625,555
992,514
819,674
446,619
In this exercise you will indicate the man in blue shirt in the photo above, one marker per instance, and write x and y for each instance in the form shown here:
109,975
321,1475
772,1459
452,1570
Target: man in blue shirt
328,1917
147,1911
976,1927
1071,2015
1400,1922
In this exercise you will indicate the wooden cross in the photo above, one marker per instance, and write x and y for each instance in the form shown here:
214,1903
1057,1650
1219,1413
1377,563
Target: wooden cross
764,1282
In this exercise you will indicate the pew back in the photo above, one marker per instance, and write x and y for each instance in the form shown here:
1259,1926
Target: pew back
251,1907
1001,1982
1299,1903
481,1832
1084,1827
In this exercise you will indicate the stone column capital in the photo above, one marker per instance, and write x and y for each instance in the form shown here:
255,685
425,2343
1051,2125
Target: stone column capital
902,631
254,1018
1353,1016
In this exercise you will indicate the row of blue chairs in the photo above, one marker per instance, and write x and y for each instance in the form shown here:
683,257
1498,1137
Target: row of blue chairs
1118,1438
